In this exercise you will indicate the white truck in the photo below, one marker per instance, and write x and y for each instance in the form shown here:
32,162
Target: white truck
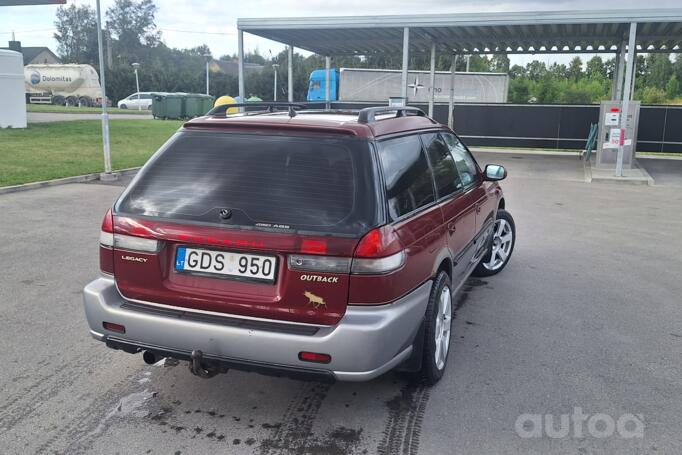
64,85
378,85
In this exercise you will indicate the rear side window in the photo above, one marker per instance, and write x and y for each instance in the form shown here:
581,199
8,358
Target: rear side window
409,184
443,165
321,184
463,160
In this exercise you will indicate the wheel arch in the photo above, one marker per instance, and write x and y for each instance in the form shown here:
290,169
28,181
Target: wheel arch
443,263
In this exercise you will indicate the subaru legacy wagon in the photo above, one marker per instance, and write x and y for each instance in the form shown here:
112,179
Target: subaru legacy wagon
309,244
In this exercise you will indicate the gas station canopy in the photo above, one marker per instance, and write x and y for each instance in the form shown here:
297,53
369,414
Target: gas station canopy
623,32
659,30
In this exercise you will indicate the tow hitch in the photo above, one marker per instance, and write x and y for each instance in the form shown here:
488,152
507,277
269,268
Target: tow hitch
204,369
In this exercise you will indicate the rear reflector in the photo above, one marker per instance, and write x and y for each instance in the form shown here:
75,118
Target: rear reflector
327,264
378,266
114,327
314,357
128,242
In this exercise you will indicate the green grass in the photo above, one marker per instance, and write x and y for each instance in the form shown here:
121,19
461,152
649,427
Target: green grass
82,110
45,151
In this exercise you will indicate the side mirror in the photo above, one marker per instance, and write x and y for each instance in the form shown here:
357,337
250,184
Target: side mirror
495,172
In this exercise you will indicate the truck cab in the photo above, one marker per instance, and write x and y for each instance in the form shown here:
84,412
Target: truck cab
318,83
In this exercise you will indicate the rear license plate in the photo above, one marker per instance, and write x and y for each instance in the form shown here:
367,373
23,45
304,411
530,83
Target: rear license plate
227,264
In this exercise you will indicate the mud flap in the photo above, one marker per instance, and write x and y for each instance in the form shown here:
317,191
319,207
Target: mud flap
414,362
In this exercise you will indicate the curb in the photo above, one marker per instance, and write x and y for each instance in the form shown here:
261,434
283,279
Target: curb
571,153
62,181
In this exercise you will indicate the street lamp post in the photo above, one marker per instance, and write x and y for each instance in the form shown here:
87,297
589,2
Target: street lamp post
107,175
208,60
274,91
137,83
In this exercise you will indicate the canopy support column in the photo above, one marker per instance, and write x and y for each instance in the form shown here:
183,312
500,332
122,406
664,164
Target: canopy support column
627,92
617,92
433,78
451,102
406,62
290,78
327,82
240,59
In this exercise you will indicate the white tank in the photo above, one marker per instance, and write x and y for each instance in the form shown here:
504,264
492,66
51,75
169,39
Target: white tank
12,98
68,83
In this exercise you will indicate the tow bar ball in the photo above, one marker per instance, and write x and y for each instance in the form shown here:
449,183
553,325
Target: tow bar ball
198,365
202,367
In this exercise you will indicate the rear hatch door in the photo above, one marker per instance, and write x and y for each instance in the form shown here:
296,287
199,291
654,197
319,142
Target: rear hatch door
237,217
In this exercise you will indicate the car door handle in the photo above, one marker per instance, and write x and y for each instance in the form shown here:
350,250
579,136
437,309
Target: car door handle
478,208
452,226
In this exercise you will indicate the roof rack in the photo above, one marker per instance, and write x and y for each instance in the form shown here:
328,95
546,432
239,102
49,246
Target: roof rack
368,114
269,107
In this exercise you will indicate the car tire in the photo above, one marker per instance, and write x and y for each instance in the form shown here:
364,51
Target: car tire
500,246
123,106
71,101
58,100
437,330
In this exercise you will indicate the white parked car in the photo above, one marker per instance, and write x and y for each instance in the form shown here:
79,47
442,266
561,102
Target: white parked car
133,102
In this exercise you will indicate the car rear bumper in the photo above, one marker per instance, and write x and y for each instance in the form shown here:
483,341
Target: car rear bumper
367,342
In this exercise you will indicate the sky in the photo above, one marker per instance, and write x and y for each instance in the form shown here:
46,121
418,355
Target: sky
186,23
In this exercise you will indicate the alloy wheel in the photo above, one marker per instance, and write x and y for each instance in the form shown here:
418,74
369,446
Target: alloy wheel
443,323
502,244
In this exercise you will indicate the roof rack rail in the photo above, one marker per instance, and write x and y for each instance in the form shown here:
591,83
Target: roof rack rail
367,115
269,107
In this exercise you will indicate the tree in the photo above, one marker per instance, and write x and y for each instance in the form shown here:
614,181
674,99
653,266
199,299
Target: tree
672,88
517,71
659,69
558,70
595,68
519,90
76,34
133,25
652,95
535,70
499,63
575,69
677,67
547,90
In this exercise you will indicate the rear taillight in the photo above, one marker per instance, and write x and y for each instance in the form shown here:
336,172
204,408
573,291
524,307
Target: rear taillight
379,251
106,243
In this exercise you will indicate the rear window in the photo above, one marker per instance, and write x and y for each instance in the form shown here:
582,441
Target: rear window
409,183
320,184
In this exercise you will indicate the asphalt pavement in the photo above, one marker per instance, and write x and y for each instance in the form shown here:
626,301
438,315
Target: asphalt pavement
586,318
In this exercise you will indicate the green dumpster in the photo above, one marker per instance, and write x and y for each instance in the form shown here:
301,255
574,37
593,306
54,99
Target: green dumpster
206,104
197,104
159,105
168,105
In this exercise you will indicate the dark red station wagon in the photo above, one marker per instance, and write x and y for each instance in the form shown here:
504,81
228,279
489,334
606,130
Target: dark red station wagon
312,244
